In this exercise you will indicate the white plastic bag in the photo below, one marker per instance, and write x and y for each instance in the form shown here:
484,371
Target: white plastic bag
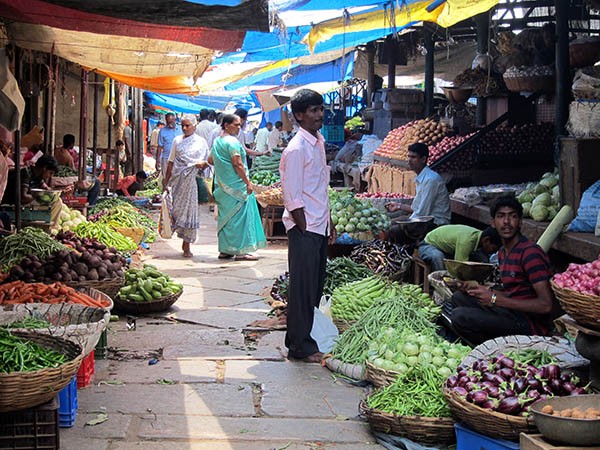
325,305
323,332
164,222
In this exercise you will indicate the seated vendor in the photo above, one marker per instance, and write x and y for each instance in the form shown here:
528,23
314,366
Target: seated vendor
459,242
431,197
128,186
524,305
67,155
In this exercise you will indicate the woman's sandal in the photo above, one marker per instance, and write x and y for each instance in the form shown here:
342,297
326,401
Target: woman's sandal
225,256
246,258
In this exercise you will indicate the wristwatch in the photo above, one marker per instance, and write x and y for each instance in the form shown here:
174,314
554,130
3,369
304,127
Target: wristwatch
493,299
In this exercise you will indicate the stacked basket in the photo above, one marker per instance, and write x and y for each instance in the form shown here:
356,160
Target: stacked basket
584,308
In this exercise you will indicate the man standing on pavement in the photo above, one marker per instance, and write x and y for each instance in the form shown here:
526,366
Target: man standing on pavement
524,304
165,141
250,153
154,138
207,124
275,136
262,138
305,180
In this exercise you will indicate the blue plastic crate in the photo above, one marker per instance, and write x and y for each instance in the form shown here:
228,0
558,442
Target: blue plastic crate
67,409
467,439
333,133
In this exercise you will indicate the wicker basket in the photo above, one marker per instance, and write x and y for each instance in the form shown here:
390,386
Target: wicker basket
488,422
110,287
584,308
354,371
379,377
424,430
80,324
583,54
21,390
341,324
530,84
161,304
436,280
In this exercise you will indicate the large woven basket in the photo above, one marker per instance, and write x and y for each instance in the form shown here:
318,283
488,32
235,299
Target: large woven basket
97,295
584,308
530,84
21,390
379,377
488,422
354,371
161,304
424,430
583,54
81,324
110,286
341,324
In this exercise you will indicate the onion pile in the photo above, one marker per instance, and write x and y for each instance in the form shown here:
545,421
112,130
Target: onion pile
396,143
509,387
584,278
518,140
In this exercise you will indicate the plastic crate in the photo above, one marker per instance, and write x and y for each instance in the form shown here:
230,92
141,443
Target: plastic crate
101,350
31,429
86,370
333,133
67,408
467,439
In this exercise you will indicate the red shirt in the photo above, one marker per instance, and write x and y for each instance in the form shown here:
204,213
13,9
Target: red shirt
525,265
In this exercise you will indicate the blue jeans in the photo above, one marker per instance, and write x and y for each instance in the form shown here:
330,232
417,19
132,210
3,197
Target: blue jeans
432,255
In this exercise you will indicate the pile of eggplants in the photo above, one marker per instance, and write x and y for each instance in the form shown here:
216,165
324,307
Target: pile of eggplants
506,386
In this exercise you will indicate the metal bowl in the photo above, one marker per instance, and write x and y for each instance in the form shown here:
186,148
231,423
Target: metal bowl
45,197
468,270
416,228
566,429
490,195
457,94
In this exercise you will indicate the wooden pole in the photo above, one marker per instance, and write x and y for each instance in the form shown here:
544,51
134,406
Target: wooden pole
370,73
17,149
429,69
95,126
391,54
563,76
83,112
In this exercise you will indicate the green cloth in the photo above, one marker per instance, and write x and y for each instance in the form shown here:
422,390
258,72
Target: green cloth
239,226
457,240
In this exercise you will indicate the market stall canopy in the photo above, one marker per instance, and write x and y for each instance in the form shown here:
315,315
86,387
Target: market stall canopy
184,103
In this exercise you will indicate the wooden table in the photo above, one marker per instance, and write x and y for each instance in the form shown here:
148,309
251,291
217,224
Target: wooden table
585,246
537,442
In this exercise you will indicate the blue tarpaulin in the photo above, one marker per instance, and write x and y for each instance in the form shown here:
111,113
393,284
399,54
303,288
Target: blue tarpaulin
185,103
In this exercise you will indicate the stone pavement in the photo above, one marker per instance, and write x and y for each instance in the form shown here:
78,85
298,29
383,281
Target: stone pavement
213,387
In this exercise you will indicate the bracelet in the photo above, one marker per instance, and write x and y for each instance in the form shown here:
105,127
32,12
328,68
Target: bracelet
493,299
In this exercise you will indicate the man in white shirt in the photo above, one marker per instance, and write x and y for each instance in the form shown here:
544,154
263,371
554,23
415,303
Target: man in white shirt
262,138
243,115
207,124
275,136
304,181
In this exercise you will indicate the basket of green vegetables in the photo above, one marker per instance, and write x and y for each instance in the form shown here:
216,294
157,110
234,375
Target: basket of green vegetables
147,290
34,367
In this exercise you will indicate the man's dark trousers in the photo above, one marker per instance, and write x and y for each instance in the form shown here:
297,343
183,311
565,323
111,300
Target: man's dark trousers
307,257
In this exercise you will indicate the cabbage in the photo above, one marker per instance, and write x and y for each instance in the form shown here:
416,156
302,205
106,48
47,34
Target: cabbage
547,175
552,212
526,209
543,199
541,188
539,212
526,197
550,181
556,194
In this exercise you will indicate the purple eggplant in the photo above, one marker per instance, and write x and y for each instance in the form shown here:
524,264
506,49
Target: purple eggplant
462,373
462,381
452,381
470,386
548,390
509,405
551,371
488,404
534,395
509,393
506,373
568,387
460,391
578,391
520,384
494,378
477,397
493,391
556,386
507,362
565,377
534,383
474,379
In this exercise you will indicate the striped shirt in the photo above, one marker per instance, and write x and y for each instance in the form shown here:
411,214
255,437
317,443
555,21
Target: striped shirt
525,265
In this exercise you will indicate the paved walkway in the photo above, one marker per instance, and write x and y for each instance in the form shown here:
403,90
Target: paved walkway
212,388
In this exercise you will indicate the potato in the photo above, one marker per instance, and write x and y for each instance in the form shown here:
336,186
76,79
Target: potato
548,409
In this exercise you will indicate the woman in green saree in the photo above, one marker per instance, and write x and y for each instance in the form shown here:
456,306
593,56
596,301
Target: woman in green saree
239,227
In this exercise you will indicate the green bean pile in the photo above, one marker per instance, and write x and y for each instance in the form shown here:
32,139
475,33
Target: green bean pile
108,203
415,393
30,322
106,235
21,355
532,356
126,215
399,312
27,242
341,271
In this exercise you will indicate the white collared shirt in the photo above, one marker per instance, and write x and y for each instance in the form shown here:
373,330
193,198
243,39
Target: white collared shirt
305,181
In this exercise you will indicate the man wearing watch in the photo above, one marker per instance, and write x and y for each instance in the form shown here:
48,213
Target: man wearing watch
524,304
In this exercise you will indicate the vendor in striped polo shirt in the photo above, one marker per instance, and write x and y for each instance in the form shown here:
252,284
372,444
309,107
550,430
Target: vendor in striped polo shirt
524,304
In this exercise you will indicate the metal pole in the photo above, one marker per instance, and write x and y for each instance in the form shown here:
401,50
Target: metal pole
482,22
52,131
95,124
562,65
429,69
370,73
390,44
139,128
48,107
83,123
17,150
